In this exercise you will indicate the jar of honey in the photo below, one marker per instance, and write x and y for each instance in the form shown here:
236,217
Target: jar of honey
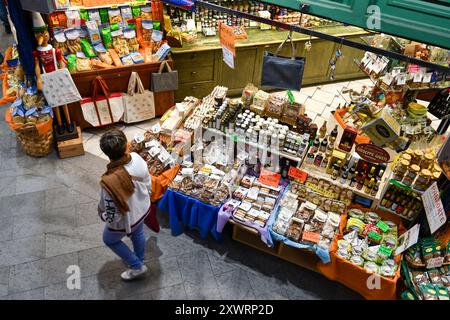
427,161
401,169
423,179
417,157
411,175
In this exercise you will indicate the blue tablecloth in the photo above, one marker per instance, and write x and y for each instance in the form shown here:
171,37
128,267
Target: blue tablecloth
185,211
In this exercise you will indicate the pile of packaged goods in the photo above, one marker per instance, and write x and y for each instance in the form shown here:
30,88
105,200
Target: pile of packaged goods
401,201
427,279
205,183
173,118
305,223
150,149
107,37
369,242
30,108
417,169
257,200
14,80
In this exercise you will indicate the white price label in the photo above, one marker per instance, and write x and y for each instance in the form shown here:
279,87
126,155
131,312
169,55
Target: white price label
435,263
401,79
156,128
408,239
139,138
388,78
427,77
228,57
418,77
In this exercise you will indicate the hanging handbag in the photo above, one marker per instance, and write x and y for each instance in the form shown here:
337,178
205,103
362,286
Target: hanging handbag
167,81
102,110
139,104
283,72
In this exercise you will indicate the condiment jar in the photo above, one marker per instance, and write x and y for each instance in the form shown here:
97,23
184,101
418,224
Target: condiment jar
427,161
401,169
417,157
411,175
422,180
407,157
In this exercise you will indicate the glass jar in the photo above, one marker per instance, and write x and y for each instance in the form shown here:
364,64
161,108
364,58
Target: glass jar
401,169
427,161
411,174
422,180
310,158
406,157
417,157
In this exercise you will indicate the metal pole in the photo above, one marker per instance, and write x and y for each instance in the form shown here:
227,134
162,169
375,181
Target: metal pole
325,36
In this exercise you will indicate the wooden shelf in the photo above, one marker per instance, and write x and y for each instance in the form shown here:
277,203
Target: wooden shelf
395,213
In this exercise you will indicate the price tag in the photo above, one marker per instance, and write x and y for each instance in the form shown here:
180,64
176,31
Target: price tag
311,236
187,171
408,239
228,57
156,128
385,251
375,236
152,143
297,174
434,208
291,97
418,77
269,178
388,78
427,77
435,262
383,226
139,138
401,79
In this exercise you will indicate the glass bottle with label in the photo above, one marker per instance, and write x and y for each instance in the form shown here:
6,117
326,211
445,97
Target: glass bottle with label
323,130
323,145
333,134
335,172
318,160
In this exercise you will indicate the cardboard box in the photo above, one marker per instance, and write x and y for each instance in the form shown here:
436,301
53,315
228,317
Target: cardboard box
71,148
383,129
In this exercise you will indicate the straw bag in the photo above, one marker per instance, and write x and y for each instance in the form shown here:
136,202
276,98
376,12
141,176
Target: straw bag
139,104
102,110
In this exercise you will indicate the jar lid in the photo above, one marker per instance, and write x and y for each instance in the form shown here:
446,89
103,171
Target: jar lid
436,167
429,156
426,173
436,175
415,168
418,153
406,156
405,163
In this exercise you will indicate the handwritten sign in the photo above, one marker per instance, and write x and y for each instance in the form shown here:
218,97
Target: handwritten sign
269,178
408,239
435,263
226,37
433,208
298,174
311,236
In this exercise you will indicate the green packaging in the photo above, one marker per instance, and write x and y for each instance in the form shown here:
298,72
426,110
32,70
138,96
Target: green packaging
72,62
87,48
107,38
156,25
84,15
136,10
104,17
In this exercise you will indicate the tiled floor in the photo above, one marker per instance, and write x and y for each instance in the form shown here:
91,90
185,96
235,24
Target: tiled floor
48,222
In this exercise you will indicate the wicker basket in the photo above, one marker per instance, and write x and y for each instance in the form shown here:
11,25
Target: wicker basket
33,143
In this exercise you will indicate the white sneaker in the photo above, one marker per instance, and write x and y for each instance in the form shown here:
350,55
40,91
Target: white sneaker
131,274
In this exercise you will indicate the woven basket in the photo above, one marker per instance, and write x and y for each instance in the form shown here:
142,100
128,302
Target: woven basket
33,143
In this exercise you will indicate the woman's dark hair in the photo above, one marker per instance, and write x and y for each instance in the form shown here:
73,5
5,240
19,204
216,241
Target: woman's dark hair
114,144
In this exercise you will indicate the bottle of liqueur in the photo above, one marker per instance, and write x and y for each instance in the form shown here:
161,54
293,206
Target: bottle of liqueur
323,130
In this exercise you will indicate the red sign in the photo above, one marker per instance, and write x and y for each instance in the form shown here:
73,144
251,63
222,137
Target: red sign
297,174
269,178
227,37
311,236
372,153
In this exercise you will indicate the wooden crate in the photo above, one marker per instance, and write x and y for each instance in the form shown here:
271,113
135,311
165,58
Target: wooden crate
71,148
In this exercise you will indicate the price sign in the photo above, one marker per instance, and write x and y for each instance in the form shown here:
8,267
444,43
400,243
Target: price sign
311,236
228,57
434,208
297,174
375,236
385,251
408,239
227,42
383,226
435,262
156,128
269,178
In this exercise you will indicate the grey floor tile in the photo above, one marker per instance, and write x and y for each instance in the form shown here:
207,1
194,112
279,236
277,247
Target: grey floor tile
86,214
202,291
4,280
44,221
6,228
63,197
175,292
22,250
36,274
56,245
220,263
195,267
276,294
262,284
235,285
98,260
7,186
33,183
36,294
19,204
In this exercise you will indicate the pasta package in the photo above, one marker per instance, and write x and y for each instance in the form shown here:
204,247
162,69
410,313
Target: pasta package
98,64
87,48
157,37
94,34
130,36
104,16
114,15
126,12
83,63
147,30
119,43
107,38
136,11
146,12
94,15
103,54
60,42
73,40
115,57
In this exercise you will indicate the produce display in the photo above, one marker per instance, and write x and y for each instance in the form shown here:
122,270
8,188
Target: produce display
370,242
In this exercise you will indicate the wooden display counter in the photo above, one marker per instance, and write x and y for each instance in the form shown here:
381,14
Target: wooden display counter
200,65
117,81
251,237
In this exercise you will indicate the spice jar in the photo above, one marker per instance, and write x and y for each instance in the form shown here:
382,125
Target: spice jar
401,169
411,174
427,161
417,157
